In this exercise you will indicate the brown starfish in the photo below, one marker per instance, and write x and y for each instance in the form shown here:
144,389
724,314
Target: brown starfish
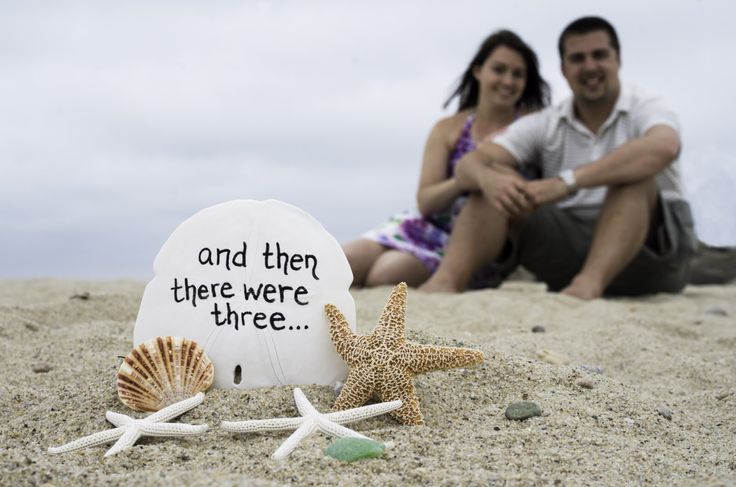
383,364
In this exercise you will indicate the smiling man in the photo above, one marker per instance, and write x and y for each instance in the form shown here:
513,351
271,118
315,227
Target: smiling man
607,216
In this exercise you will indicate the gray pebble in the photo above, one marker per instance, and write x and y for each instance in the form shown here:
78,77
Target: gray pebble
593,369
84,296
716,310
585,383
31,327
538,329
522,410
665,412
41,367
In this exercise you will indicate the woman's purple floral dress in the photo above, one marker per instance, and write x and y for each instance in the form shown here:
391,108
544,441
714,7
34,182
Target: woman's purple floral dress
426,237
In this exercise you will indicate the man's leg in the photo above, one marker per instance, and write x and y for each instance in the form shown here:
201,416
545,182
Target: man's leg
663,265
477,239
620,233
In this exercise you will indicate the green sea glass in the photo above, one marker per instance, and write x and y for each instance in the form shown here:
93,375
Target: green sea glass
351,449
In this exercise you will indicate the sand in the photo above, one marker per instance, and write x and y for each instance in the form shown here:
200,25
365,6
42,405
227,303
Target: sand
661,412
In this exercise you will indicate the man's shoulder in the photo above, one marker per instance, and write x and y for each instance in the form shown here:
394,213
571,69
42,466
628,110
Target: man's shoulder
538,118
541,124
527,132
635,97
647,109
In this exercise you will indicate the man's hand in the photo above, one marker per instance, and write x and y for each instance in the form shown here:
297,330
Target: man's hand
506,191
545,191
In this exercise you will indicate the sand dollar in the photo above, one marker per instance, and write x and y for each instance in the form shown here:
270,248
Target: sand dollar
248,281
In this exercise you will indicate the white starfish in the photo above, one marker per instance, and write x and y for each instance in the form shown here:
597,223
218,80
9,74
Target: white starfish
130,429
310,421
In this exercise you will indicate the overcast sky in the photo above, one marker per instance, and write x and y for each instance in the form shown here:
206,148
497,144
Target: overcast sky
119,120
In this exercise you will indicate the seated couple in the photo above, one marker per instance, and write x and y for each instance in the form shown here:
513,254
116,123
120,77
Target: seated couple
585,194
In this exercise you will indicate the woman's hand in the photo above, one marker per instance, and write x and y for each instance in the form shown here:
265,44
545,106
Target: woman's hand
507,191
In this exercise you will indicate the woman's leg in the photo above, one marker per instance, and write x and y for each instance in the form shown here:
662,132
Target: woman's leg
478,238
362,254
393,267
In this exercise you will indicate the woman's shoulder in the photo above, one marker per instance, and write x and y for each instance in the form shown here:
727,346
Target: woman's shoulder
457,119
452,126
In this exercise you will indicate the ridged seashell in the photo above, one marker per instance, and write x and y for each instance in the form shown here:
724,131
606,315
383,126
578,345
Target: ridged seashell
163,371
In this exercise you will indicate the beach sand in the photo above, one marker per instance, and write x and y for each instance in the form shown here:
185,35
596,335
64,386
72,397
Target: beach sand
663,410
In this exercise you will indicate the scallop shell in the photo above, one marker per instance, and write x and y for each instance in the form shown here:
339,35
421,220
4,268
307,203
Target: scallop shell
163,371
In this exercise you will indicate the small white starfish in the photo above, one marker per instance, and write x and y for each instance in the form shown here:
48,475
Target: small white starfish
130,429
310,421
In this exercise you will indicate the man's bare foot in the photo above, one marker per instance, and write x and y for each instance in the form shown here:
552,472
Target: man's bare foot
584,288
437,284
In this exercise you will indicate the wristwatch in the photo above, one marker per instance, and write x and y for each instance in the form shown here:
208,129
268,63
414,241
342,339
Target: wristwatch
568,177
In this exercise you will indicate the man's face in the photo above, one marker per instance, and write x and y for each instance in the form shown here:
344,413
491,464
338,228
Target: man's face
591,66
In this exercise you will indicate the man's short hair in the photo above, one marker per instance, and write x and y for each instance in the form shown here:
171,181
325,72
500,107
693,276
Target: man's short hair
585,25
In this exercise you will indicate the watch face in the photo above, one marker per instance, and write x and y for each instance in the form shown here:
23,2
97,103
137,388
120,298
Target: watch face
568,177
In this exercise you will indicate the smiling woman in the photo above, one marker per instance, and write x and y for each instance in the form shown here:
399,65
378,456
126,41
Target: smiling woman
501,83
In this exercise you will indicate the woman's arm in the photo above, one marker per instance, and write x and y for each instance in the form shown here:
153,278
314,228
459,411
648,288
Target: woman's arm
436,191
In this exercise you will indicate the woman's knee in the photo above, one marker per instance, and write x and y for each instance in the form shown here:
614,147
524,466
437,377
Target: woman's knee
393,267
362,255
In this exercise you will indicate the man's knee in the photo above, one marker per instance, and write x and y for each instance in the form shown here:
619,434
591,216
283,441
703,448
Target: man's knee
644,190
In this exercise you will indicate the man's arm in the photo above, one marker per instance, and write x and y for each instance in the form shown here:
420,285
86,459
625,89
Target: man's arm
472,168
634,161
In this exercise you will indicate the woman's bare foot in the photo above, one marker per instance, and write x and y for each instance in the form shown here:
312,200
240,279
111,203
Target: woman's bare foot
436,284
584,288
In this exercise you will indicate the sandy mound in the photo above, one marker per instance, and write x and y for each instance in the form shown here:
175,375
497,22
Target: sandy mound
662,410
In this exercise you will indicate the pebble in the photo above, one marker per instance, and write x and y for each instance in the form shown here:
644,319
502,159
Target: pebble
715,310
629,421
585,383
665,412
522,410
41,367
31,327
723,395
554,358
351,449
84,296
538,329
593,369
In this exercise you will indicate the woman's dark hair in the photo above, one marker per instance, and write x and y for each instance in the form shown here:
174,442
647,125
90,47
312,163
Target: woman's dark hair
536,89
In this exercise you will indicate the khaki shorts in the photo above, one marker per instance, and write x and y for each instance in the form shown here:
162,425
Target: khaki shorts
553,244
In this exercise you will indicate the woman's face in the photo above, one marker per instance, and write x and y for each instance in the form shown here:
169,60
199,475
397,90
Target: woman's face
501,77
